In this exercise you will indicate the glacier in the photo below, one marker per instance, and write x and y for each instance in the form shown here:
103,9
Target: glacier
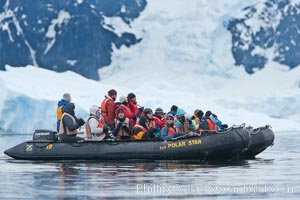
184,57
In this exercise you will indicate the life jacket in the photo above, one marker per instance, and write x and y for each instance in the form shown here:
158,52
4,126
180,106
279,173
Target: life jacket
138,135
102,120
88,128
184,127
120,131
152,124
127,111
159,122
211,126
59,112
172,130
104,112
133,107
61,127
196,122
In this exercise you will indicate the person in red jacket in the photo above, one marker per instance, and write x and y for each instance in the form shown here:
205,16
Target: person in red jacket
108,106
159,117
123,104
132,104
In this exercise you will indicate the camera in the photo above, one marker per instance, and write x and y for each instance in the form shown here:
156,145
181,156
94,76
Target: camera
181,118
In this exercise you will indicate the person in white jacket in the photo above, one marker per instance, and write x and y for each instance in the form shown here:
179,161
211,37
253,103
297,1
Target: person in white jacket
95,126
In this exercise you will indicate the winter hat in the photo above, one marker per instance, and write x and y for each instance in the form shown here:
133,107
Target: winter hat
195,112
180,111
93,109
170,115
120,110
130,96
69,108
112,92
143,121
158,111
67,97
174,108
198,113
147,111
122,99
208,113
211,117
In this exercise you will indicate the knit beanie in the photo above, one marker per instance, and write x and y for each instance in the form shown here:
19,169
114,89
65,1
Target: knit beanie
131,96
112,92
174,108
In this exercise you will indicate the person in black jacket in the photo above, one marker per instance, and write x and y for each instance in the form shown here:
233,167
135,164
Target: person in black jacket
142,131
69,125
121,126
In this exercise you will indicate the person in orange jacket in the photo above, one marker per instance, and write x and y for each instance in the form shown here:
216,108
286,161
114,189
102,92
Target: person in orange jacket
108,106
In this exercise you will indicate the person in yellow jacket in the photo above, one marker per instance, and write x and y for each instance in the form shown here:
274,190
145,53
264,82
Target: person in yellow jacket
197,118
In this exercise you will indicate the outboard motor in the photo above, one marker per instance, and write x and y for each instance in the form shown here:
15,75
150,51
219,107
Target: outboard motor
43,135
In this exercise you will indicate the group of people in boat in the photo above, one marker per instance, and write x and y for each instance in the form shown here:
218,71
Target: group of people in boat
127,120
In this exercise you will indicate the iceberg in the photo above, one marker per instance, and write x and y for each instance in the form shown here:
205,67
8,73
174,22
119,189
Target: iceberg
30,94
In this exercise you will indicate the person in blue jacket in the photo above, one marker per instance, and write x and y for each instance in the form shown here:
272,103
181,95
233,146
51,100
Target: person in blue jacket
173,110
220,125
60,108
184,124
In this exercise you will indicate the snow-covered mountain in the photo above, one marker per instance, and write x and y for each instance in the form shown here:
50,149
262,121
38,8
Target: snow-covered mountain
267,31
64,35
183,52
82,35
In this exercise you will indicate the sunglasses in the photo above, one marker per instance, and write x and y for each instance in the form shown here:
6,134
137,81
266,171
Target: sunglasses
169,119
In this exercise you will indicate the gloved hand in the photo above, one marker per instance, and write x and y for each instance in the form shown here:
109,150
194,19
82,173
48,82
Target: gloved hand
141,109
181,119
125,128
134,117
105,129
120,124
152,132
224,126
81,122
193,117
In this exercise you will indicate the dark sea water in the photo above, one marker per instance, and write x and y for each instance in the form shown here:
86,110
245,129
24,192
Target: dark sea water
274,174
